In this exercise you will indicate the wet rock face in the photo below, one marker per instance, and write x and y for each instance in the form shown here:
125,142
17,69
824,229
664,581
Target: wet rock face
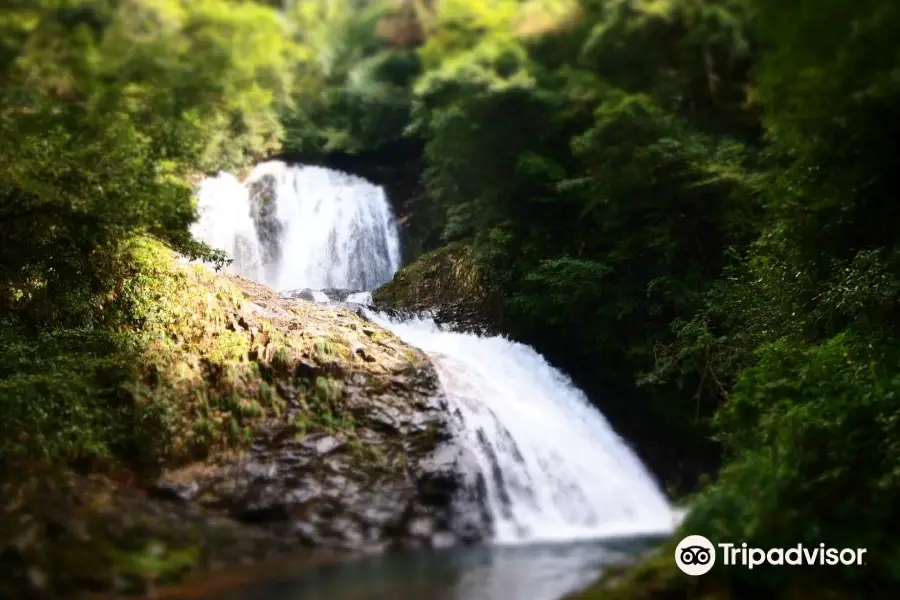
455,468
460,317
447,286
332,294
263,211
386,486
387,477
379,489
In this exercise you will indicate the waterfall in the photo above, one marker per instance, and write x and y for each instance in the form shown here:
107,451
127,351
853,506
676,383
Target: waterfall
553,467
225,223
301,227
555,470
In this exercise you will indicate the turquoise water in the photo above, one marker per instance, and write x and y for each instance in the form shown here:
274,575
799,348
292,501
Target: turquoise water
545,572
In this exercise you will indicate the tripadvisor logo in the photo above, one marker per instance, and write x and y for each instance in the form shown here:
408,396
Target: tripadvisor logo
695,555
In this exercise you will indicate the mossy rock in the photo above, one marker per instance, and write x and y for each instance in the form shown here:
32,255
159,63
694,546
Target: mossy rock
446,283
441,276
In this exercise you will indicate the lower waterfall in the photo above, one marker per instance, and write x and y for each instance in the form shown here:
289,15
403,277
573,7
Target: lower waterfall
554,469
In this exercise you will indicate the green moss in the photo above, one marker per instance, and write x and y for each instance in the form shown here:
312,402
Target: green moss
659,579
328,390
326,349
268,398
284,359
156,561
229,346
654,578
441,276
323,410
425,441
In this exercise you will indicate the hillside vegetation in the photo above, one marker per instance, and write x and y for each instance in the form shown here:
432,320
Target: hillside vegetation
689,206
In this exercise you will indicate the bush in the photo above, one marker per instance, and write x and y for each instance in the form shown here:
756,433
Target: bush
814,446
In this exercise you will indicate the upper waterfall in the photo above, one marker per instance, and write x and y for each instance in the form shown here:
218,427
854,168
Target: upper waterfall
225,223
301,227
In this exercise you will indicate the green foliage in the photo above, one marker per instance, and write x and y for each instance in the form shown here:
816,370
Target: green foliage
60,394
109,111
692,204
805,424
353,92
444,276
812,310
607,206
108,108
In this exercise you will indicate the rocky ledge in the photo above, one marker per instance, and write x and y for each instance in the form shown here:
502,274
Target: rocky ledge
290,427
361,458
445,284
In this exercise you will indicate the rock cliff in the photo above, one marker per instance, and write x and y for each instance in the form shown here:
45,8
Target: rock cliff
285,425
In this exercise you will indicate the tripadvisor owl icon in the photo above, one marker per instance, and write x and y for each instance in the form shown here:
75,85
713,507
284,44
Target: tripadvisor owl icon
695,555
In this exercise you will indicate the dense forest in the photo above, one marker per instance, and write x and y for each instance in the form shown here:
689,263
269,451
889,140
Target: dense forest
686,204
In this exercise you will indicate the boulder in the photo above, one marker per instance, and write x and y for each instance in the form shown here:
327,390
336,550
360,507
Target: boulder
355,460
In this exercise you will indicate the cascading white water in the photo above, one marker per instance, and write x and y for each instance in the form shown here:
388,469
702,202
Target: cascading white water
301,227
225,223
554,468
